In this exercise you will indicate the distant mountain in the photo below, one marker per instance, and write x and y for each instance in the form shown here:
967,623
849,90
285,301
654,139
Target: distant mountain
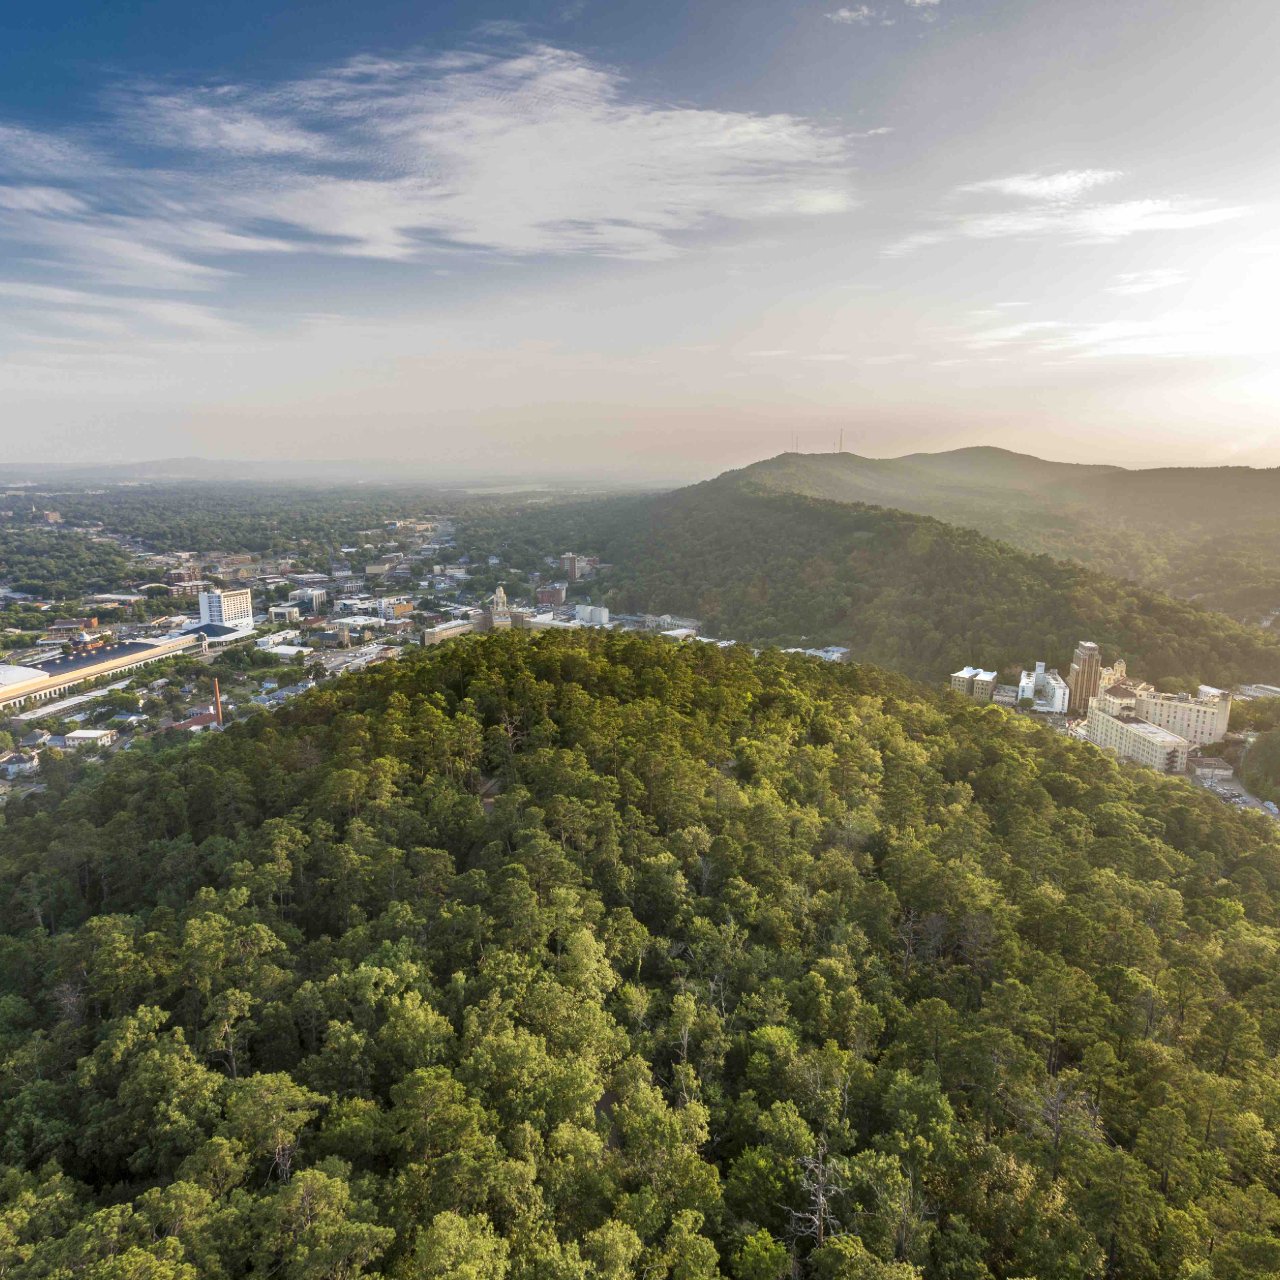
761,564
1206,533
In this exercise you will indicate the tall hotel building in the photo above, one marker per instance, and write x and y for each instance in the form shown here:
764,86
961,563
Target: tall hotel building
1082,679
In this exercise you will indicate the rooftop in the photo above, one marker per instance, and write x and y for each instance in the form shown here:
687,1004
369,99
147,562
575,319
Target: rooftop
95,657
10,674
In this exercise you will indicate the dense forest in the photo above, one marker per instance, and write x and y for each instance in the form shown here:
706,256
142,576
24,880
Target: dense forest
58,564
903,590
258,517
1210,534
592,957
1261,771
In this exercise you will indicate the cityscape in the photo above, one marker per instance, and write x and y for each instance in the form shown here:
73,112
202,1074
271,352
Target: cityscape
640,642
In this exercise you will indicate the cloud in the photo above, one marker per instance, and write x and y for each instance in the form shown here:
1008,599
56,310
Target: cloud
532,151
921,4
1051,206
1178,334
116,314
1069,185
860,16
1135,282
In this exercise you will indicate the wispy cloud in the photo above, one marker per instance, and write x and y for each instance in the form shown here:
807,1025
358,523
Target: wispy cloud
534,150
861,16
1068,185
538,151
1052,206
1135,282
1177,334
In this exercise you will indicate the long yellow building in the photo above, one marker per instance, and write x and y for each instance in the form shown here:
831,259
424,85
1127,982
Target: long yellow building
21,686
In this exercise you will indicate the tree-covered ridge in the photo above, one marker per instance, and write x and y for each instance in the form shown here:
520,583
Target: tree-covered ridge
901,590
1211,534
591,956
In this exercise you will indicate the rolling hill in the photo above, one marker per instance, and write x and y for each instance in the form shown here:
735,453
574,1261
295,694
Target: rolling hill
594,957
1211,533
757,563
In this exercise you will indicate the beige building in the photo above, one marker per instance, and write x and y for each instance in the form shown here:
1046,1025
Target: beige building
1085,676
1136,740
25,686
974,683
1198,719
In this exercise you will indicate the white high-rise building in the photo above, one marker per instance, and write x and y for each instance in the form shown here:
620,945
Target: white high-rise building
226,608
1047,690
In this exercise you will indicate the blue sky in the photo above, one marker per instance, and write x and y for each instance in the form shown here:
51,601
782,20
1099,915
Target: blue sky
656,240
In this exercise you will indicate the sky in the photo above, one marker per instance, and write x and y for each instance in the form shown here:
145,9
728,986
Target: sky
651,242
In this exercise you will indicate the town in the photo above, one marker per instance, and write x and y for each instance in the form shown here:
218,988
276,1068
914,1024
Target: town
1170,732
200,638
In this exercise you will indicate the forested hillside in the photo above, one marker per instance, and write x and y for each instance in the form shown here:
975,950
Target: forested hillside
902,590
1211,534
590,956
56,562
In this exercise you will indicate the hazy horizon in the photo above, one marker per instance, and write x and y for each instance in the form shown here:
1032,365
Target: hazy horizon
558,240
475,478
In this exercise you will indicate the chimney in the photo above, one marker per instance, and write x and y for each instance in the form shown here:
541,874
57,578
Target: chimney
217,701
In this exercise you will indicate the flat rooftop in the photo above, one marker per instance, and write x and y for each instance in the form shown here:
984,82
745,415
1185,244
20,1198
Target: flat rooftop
95,657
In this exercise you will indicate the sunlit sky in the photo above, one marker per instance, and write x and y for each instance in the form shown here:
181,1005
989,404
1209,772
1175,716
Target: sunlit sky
651,240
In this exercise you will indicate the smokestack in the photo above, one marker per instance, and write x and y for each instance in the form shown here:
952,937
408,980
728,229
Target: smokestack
217,701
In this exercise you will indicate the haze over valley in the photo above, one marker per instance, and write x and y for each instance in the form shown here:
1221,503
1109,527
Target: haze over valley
640,642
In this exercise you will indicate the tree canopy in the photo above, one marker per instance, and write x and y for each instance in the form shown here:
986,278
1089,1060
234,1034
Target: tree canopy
586,955
902,590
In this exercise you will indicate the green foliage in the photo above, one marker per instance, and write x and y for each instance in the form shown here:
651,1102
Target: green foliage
1261,770
59,564
901,590
592,957
1210,534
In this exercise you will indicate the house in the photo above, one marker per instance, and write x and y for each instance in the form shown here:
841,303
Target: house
21,764
198,723
80,738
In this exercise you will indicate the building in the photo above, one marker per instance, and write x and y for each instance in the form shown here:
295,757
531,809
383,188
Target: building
1114,674
497,617
1211,769
23,685
1136,740
199,722
1250,691
1121,699
553,593
593,615
78,738
1047,690
284,613
389,608
1198,719
312,599
226,608
1085,674
975,683
447,630
20,764
832,653
576,567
